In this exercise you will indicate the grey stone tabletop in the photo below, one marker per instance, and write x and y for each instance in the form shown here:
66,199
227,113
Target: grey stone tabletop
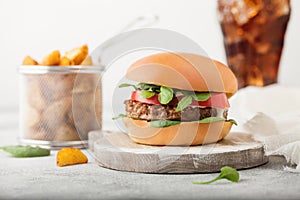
40,178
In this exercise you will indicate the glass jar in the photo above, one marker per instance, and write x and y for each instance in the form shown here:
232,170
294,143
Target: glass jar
59,105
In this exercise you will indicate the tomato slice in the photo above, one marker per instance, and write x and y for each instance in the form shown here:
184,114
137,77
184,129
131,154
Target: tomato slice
137,97
216,100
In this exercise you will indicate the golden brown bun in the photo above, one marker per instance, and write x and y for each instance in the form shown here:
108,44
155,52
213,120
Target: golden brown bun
184,71
183,134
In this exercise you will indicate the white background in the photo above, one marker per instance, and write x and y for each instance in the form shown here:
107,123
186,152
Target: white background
36,27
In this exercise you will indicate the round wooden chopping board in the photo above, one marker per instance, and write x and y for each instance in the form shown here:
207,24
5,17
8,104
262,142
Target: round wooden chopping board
115,150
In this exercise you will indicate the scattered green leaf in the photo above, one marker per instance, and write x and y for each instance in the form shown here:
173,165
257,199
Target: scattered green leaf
184,102
227,172
165,95
26,151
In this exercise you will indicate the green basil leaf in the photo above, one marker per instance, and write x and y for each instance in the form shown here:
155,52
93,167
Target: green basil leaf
147,94
26,151
163,123
201,96
184,102
227,172
165,95
127,85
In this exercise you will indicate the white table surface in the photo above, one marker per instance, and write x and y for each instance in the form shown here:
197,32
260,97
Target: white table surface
40,178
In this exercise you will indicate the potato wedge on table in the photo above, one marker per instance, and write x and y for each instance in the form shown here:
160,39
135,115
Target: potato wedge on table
70,156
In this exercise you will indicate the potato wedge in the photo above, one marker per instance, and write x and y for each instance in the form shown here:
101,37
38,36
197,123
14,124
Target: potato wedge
64,61
87,61
70,156
29,61
51,59
77,55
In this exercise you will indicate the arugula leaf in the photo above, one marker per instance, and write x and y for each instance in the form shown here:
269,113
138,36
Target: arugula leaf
211,119
26,151
188,99
147,94
201,96
119,116
227,172
184,102
149,87
143,86
216,119
165,95
232,121
163,123
166,123
127,85
122,116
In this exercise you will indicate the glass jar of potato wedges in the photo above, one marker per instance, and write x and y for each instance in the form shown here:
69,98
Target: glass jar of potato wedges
60,100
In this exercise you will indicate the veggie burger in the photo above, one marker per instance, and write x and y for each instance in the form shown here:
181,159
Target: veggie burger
181,99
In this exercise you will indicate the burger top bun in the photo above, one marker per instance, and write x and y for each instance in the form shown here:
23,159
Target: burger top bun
184,71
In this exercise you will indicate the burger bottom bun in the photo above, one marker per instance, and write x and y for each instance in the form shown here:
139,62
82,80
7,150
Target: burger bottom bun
183,134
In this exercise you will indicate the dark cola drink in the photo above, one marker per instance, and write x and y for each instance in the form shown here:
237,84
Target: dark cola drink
254,33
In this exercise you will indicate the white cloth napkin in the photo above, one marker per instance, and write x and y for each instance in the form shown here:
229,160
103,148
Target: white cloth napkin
271,115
